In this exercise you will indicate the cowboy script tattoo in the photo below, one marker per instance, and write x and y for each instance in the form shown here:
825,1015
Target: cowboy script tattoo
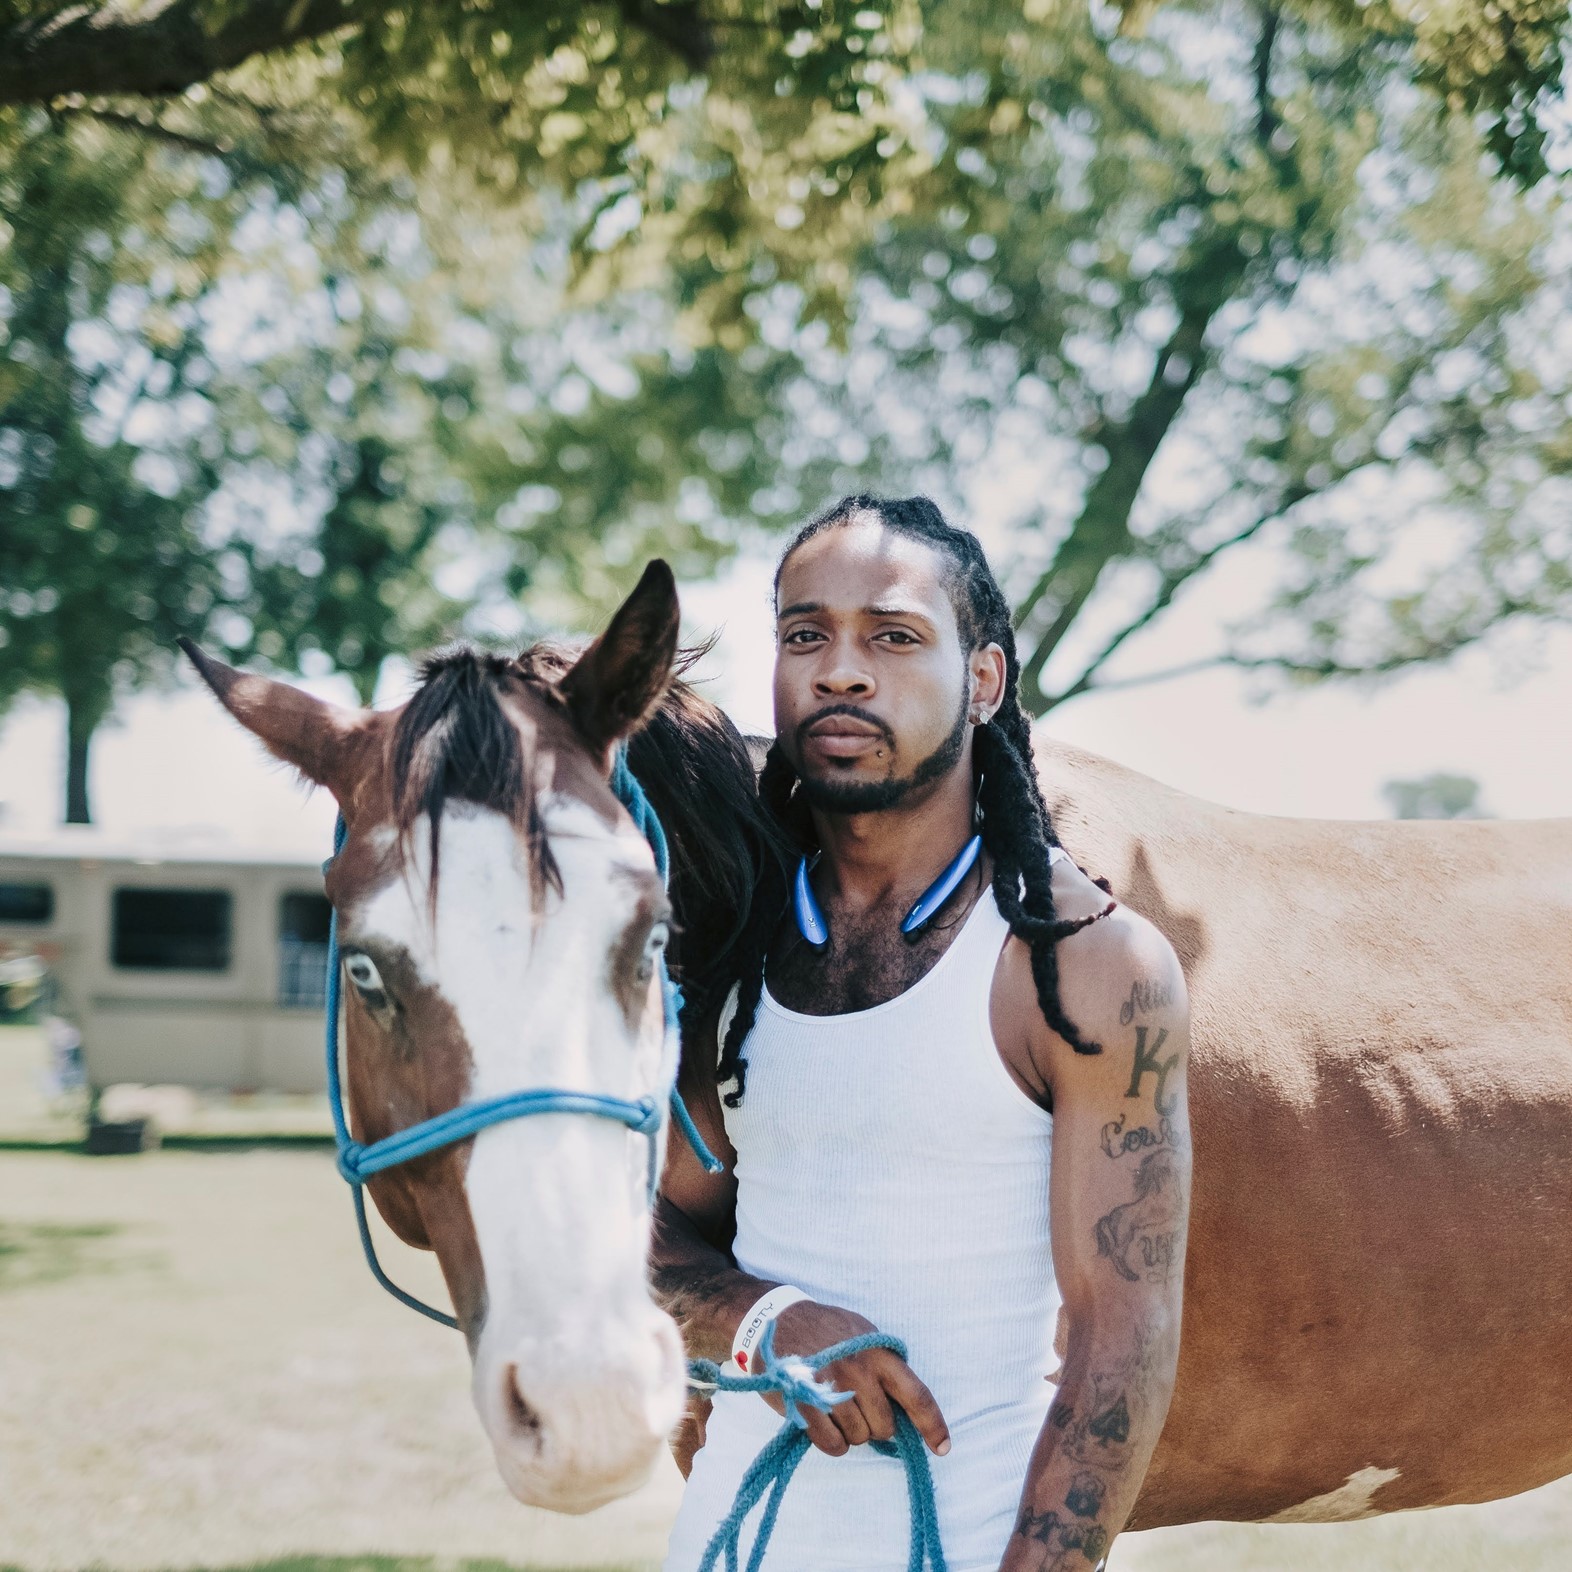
1120,1142
1144,1237
1147,1063
1145,996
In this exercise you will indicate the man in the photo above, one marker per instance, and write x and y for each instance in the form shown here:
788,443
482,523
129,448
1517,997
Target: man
956,1135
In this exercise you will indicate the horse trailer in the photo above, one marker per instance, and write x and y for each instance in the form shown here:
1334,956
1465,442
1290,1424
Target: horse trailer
192,968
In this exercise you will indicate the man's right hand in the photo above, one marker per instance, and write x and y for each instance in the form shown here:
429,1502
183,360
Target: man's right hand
879,1378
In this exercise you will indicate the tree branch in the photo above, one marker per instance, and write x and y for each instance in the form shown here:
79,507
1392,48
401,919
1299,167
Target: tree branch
157,132
1171,584
1102,531
154,50
1318,670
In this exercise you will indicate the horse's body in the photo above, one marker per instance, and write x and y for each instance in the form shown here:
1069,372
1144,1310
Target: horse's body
1378,1292
1379,1286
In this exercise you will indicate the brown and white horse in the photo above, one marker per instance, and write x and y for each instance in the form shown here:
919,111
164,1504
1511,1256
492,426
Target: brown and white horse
1378,1292
1378,1287
501,923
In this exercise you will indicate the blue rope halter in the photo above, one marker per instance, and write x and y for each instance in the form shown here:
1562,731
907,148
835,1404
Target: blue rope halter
357,1162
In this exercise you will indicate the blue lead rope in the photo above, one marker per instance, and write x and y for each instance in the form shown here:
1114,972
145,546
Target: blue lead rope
771,1471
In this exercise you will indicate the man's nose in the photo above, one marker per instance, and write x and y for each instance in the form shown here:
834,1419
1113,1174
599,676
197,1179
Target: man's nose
842,675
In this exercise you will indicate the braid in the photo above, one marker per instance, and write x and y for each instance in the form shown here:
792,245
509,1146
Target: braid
1016,826
776,781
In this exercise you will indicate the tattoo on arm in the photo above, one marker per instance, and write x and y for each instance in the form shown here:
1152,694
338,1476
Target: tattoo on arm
1145,994
1147,1063
1144,1237
1120,1142
1097,1442
1066,1543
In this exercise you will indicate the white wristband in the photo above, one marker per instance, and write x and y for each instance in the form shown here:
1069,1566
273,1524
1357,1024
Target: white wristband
752,1326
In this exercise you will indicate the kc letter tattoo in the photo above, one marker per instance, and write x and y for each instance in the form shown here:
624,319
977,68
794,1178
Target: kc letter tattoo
1147,1063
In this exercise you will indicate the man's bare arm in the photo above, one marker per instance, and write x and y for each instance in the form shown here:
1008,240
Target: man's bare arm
692,1273
1120,1188
698,1283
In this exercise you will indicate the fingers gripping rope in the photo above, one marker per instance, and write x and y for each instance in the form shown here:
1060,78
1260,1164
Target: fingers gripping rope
771,1471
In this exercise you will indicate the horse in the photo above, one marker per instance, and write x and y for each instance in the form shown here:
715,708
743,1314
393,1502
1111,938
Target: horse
502,925
1378,1284
1379,1277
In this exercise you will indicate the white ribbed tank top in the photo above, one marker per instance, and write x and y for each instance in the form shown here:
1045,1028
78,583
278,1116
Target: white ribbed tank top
888,1163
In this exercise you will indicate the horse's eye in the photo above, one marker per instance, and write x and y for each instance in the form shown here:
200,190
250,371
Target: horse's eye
654,948
362,971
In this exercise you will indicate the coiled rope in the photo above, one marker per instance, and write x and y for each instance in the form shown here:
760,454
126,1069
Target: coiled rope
795,1378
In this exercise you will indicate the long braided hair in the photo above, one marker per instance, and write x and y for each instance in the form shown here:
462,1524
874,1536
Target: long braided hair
1016,828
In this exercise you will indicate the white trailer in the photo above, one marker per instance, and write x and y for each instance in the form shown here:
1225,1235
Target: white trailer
191,967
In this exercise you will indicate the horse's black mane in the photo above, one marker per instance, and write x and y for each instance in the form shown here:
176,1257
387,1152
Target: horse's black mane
455,740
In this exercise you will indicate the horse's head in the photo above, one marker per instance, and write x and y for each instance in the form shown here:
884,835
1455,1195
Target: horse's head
501,923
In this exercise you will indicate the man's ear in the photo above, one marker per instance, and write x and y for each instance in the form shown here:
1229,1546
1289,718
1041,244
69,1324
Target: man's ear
621,678
301,730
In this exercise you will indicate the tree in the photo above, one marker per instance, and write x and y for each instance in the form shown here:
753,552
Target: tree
98,549
563,77
516,282
1230,286
246,397
1435,796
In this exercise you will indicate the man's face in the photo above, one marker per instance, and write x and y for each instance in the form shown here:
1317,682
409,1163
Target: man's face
871,682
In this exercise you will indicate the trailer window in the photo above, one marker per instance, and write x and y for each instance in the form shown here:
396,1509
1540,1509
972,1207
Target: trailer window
171,930
303,919
29,903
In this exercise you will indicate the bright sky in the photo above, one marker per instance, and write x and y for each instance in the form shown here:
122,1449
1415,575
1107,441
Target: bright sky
175,768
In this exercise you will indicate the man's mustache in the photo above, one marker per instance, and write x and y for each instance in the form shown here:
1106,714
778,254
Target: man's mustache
800,734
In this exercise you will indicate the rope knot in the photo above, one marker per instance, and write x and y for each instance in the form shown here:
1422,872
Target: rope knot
797,1381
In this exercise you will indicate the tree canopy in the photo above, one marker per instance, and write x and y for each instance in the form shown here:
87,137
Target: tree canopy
586,88
339,347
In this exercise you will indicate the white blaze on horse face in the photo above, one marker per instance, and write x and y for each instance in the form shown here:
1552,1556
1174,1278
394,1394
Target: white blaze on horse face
577,1376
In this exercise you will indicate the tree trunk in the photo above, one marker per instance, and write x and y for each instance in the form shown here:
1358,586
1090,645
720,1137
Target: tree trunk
80,725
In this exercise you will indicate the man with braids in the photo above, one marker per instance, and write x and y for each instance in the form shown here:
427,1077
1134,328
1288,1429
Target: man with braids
964,1133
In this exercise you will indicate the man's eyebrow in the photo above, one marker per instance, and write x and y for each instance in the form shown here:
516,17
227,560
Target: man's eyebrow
910,613
809,607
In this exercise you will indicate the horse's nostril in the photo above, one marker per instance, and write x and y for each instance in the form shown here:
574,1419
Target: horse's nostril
521,1417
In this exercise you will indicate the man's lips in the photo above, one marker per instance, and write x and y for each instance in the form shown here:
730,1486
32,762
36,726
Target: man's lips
842,737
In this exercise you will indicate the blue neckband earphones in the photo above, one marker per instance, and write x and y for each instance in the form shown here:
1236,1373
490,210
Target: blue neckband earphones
810,915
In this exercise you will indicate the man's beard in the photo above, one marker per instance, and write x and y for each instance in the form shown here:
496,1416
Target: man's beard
833,796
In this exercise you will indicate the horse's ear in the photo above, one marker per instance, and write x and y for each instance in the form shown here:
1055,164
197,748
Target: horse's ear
621,678
301,730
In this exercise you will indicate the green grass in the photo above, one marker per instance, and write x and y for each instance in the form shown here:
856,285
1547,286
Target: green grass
33,1253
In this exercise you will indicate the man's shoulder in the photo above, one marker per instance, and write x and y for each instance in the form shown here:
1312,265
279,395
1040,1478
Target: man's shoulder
1115,968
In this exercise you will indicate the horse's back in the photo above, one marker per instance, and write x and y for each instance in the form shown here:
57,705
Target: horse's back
1382,1105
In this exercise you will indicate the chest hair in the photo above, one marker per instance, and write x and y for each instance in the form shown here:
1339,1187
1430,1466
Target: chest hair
867,961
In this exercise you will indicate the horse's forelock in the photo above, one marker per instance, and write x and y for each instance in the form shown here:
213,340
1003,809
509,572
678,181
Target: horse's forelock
455,739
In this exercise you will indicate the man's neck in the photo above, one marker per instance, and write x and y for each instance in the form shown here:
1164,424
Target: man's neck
888,858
